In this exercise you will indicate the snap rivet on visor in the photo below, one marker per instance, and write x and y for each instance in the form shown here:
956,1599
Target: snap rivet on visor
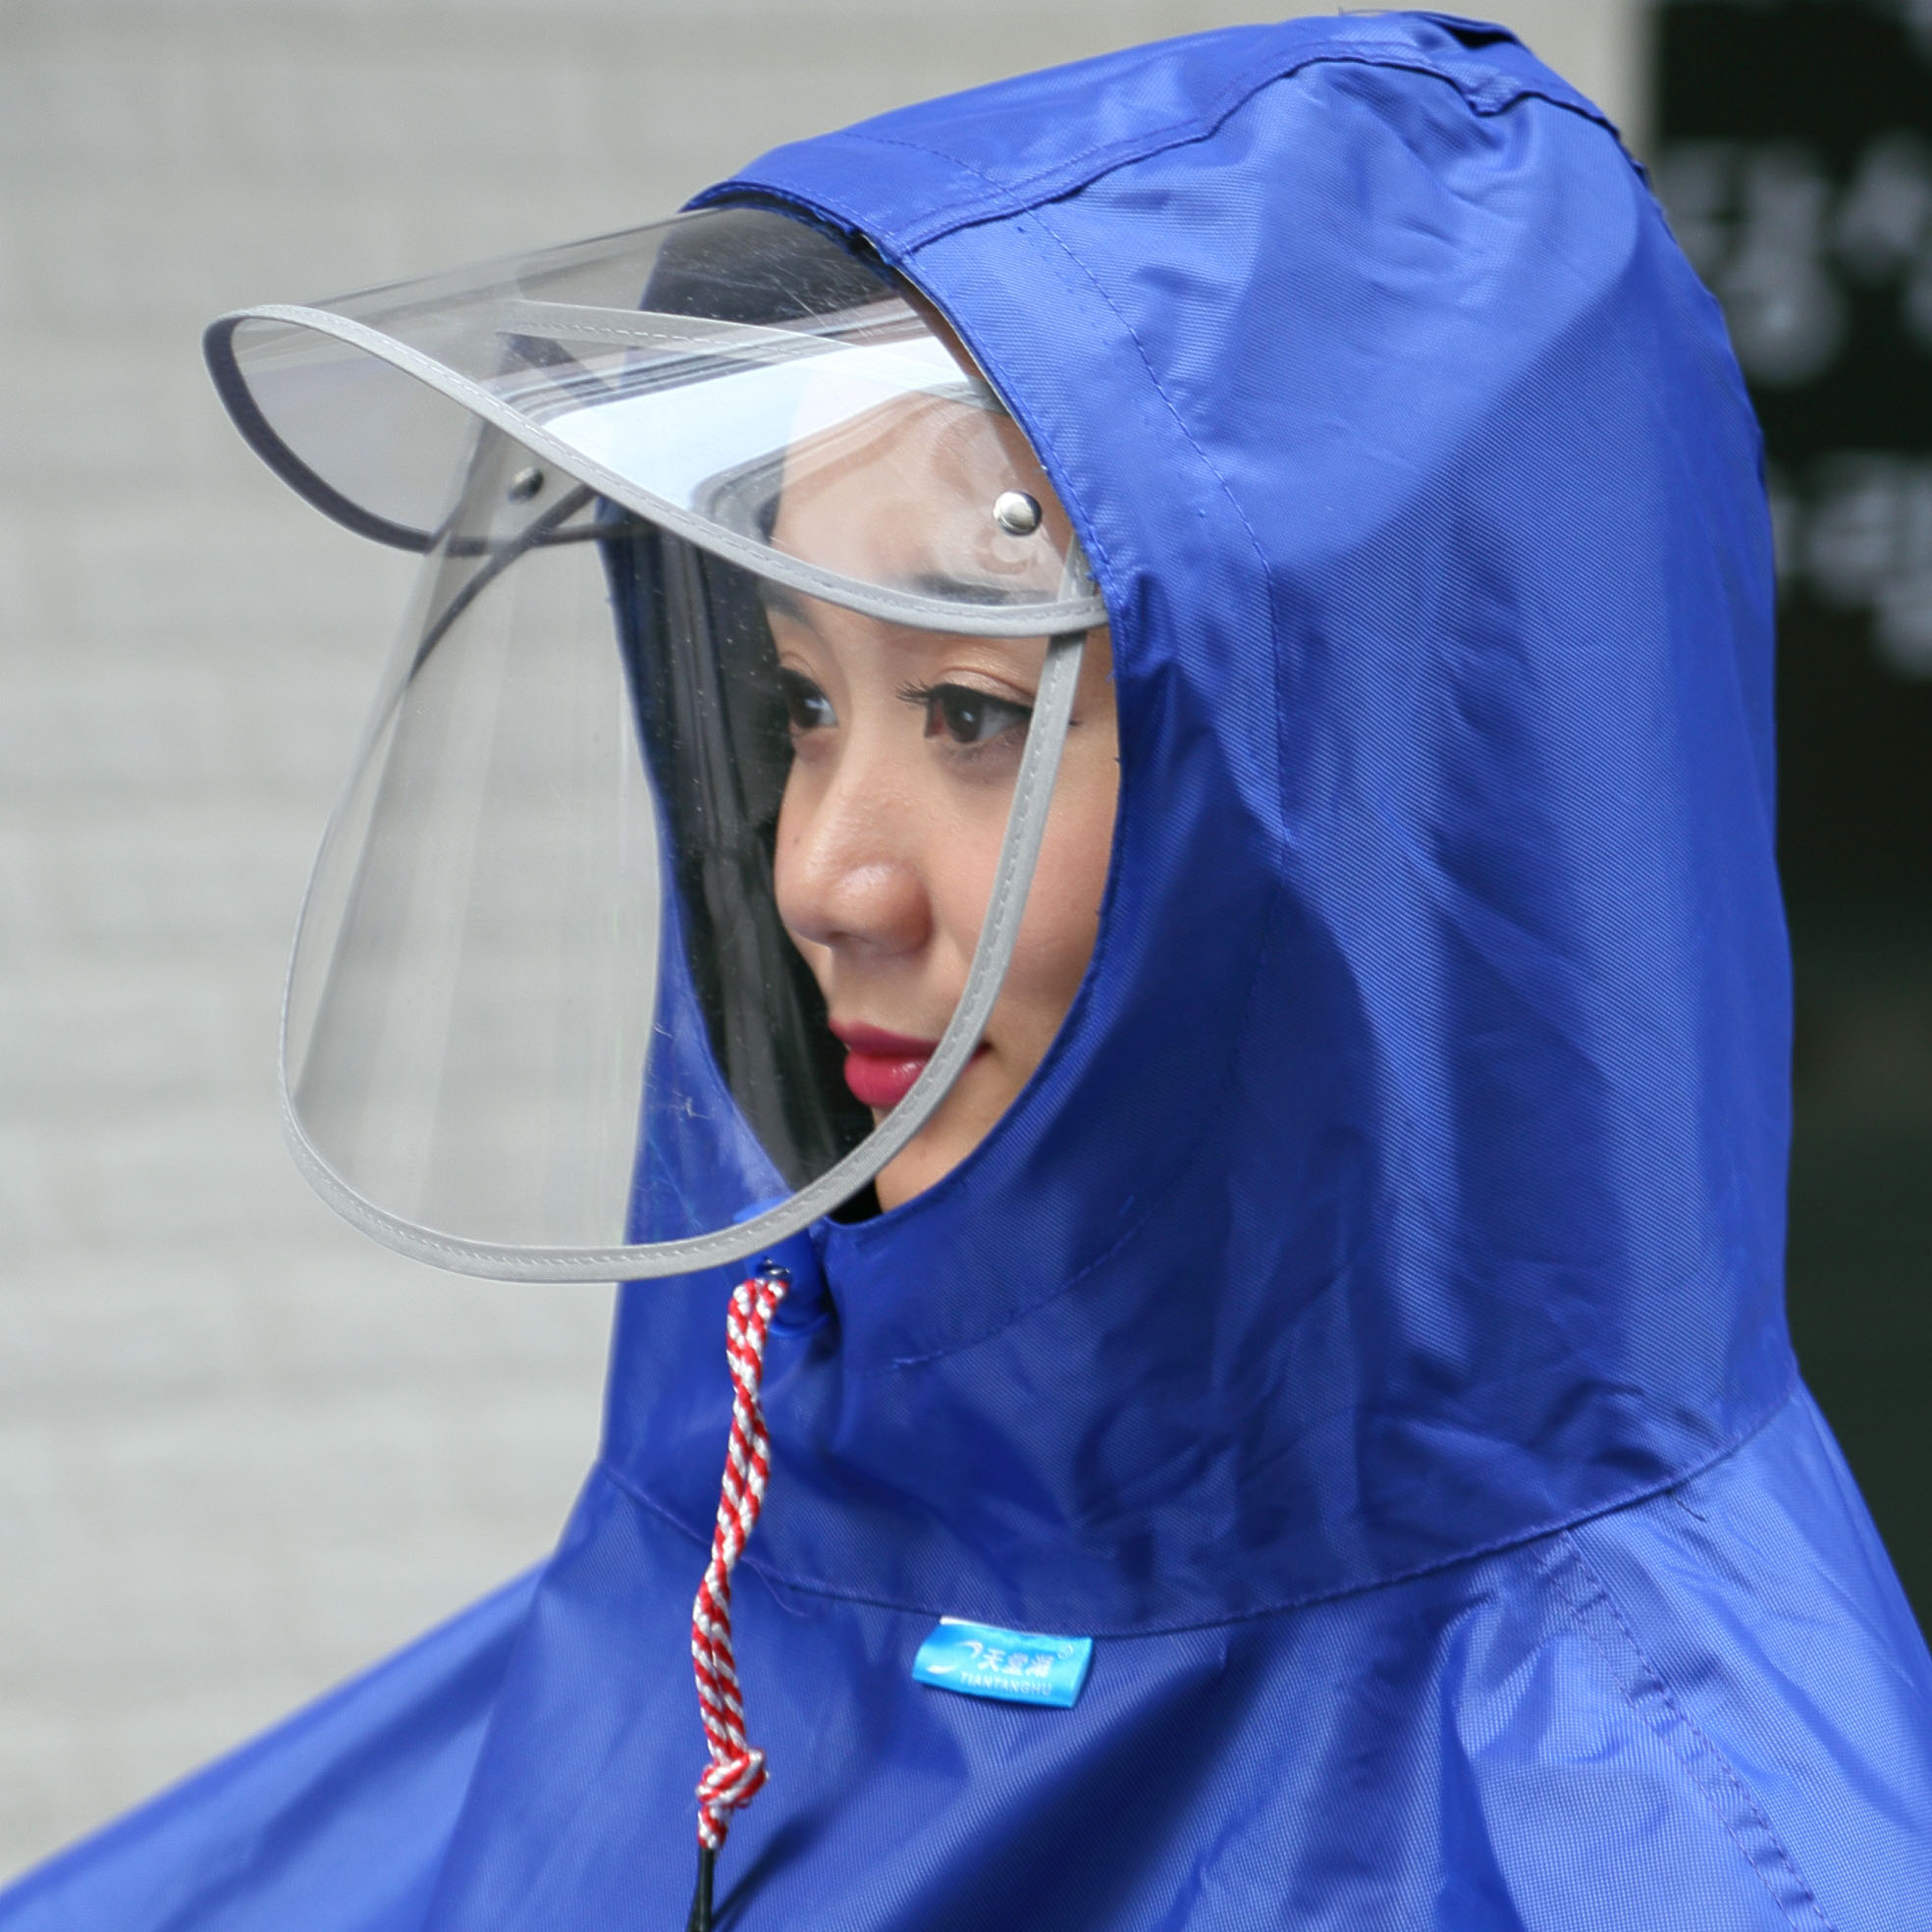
525,484
1016,512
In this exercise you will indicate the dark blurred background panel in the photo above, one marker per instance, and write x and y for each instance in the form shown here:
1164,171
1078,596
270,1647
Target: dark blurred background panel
1793,147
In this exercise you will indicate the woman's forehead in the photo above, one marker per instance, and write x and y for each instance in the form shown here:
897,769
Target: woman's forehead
910,496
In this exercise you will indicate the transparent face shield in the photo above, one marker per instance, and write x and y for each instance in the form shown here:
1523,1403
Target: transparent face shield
700,505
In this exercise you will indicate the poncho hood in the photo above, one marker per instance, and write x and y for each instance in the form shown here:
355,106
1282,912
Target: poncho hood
1366,1325
1408,1178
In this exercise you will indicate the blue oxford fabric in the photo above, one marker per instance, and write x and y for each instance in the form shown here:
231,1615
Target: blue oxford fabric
1368,1324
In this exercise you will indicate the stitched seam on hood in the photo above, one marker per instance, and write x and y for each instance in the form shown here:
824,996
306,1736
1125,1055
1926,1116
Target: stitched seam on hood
1516,1539
1493,95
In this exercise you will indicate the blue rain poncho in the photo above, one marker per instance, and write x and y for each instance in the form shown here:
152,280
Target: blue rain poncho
1368,1324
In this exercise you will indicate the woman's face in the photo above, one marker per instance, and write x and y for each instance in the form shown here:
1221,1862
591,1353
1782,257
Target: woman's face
905,746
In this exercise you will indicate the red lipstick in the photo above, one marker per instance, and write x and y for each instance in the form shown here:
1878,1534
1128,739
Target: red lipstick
880,1066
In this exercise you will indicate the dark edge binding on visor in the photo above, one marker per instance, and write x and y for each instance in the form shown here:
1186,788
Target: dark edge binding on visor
1058,618
238,399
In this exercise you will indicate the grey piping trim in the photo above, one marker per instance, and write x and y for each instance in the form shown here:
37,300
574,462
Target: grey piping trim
1019,851
899,607
651,328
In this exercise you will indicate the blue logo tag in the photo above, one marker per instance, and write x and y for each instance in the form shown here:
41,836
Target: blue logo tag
985,1662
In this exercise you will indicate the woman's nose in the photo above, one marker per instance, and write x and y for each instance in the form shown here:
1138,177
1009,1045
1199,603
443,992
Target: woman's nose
847,872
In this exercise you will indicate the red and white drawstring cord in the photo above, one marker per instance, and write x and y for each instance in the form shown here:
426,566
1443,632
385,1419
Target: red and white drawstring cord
737,1771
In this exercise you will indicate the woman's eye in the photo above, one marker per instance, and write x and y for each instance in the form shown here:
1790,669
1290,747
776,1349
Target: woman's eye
968,716
807,708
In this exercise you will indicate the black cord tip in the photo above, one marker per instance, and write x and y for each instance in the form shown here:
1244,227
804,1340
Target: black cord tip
700,1919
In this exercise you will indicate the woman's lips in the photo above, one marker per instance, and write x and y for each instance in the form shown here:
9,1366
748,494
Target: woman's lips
880,1066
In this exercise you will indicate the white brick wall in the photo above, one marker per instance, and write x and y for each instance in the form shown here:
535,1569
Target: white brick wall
243,1451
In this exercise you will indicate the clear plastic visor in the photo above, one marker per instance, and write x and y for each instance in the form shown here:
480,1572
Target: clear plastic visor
680,372
558,1003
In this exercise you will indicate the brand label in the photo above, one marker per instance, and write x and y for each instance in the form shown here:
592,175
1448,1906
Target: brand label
1016,1665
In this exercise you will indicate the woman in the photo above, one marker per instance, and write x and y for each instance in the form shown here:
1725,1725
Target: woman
1359,1328
905,748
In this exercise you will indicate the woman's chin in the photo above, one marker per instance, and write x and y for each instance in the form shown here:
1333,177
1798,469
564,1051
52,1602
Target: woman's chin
965,1119
911,1171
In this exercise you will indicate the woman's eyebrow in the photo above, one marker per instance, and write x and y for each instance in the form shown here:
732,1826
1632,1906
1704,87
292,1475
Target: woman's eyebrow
968,590
939,585
787,601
